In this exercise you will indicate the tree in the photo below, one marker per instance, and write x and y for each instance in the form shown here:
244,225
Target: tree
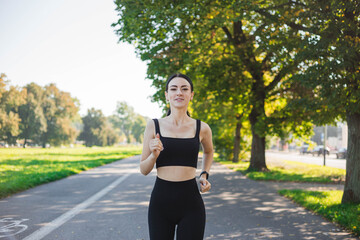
185,36
9,126
329,73
41,114
97,131
225,112
138,128
109,135
93,122
60,111
124,119
33,122
10,99
47,115
126,122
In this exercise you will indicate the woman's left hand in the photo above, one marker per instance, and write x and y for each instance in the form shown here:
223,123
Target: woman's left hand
204,185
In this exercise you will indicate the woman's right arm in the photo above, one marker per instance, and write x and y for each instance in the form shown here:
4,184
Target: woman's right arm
151,149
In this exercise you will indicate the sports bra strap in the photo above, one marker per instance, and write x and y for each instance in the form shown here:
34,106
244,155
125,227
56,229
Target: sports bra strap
157,128
198,125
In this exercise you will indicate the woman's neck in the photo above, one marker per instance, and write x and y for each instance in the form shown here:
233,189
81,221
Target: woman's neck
178,116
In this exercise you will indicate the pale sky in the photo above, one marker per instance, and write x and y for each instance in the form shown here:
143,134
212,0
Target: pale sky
72,44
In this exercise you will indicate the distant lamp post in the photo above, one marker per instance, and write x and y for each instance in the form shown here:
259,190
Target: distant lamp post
324,148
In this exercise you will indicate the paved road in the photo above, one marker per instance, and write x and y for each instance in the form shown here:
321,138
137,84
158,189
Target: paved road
111,202
331,160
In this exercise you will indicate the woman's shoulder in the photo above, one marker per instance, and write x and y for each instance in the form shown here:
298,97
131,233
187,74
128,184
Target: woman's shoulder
205,132
150,124
204,126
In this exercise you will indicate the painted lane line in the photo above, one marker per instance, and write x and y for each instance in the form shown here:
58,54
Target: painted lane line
51,226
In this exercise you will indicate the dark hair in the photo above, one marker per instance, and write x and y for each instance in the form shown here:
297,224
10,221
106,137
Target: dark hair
167,87
179,75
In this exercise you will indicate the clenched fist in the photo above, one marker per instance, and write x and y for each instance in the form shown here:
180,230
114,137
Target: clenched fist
204,185
156,145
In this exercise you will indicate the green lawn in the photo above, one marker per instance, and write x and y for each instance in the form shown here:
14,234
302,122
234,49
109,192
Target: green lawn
21,169
291,171
328,204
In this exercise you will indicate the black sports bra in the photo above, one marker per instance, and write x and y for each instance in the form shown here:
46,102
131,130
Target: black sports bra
179,151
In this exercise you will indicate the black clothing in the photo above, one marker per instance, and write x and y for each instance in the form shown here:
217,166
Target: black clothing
179,151
176,203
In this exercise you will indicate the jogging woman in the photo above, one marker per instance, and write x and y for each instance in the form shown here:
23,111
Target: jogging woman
172,143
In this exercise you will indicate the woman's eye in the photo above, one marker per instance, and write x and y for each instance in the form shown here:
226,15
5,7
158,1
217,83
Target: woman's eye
173,89
185,89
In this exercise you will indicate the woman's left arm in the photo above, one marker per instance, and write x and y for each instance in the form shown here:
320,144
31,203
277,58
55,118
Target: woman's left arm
208,155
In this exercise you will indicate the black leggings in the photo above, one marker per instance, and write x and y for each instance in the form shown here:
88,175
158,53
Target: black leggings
176,203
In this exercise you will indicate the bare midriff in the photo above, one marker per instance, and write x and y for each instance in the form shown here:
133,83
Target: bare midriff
176,173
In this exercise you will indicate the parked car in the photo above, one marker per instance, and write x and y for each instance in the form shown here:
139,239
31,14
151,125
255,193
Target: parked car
342,153
319,150
304,149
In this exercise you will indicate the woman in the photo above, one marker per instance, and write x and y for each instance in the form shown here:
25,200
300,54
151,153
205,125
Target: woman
169,143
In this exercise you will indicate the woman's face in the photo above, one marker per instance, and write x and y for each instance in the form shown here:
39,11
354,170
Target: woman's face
179,92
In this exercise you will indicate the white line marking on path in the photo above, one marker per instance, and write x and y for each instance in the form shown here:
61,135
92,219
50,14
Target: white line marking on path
51,226
12,228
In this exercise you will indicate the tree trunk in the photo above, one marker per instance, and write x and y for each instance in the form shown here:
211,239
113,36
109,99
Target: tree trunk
237,141
352,181
257,120
282,144
257,160
246,51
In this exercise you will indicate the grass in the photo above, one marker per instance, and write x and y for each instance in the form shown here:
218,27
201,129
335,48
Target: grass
21,169
328,204
292,172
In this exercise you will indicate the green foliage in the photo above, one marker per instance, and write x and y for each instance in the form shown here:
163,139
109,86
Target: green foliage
60,110
96,130
33,120
237,56
329,76
287,64
329,61
21,169
128,122
138,128
109,135
328,204
40,114
124,118
10,98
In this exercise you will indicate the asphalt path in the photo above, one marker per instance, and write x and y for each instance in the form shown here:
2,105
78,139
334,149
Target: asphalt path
330,161
111,202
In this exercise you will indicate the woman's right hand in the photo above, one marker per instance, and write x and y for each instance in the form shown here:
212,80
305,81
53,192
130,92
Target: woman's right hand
156,145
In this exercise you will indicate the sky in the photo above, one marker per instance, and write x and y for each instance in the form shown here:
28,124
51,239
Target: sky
72,44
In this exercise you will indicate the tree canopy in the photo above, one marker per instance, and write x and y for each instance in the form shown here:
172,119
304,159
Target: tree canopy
280,65
44,115
96,130
128,122
234,53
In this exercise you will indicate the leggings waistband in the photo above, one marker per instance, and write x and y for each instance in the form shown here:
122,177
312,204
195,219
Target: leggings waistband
163,181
